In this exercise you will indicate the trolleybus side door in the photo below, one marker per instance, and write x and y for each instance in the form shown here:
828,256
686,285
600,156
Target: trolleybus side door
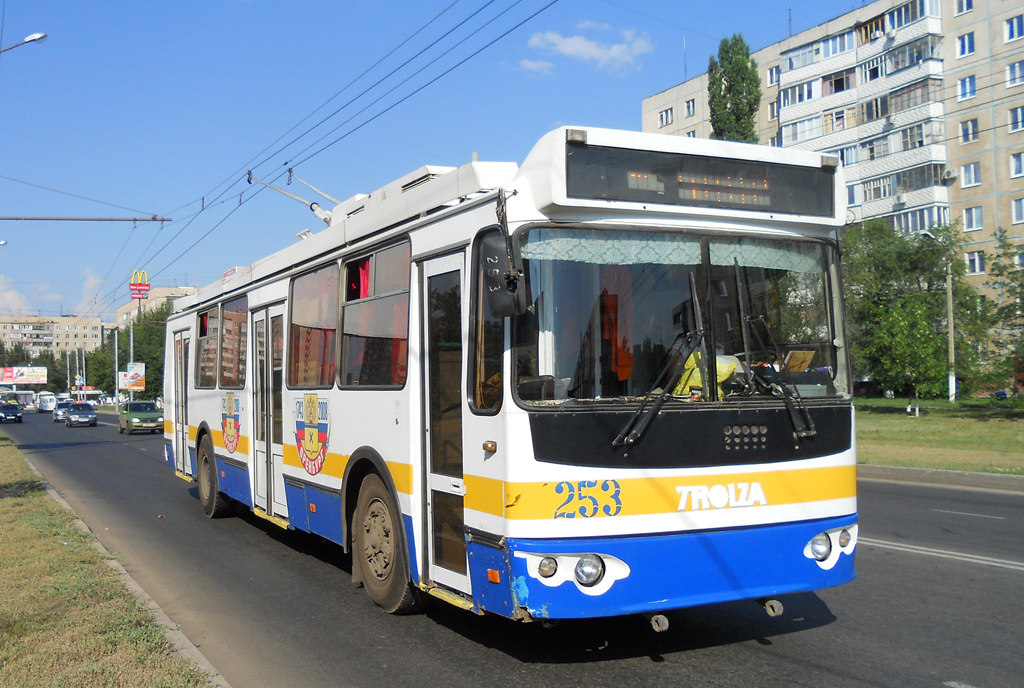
182,460
267,405
444,320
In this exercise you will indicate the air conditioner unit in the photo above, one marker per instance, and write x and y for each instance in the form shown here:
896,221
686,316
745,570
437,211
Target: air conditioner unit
876,35
949,175
900,199
890,34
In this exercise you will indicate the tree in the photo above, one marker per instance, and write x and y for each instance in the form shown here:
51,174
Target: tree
149,349
1007,279
896,309
734,92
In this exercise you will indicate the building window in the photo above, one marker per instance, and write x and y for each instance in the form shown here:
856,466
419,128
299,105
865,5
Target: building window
970,175
837,44
839,120
1017,118
972,218
876,189
915,94
666,117
798,94
773,110
847,155
1014,28
964,6
872,69
800,57
969,131
801,131
1016,165
851,194
965,44
1015,74
691,107
872,29
773,75
838,82
966,88
692,134
975,262
913,137
875,148
1017,211
876,108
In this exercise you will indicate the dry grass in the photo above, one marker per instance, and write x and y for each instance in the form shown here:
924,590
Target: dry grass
65,617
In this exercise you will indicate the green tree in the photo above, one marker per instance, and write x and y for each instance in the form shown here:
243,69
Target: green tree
1006,278
734,91
149,349
896,309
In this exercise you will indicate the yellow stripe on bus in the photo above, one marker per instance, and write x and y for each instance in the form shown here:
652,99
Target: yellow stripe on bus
646,496
218,441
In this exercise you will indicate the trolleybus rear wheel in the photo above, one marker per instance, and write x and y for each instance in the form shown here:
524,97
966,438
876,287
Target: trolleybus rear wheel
380,550
214,503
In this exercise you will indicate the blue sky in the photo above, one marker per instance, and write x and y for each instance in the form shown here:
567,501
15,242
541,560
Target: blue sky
136,109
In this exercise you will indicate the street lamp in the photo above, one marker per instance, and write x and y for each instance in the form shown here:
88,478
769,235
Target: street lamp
949,314
34,38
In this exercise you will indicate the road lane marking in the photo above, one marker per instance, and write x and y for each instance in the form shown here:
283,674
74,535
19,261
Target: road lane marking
964,513
959,556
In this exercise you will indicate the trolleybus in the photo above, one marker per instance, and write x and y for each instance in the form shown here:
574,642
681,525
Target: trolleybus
611,380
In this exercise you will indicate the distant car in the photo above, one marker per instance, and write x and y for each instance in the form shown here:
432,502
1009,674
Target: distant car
80,414
60,411
140,415
10,413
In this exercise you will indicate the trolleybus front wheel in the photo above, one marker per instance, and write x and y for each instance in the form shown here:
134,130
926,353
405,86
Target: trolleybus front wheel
380,550
214,503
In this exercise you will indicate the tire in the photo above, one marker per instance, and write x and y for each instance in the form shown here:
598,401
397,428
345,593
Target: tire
120,430
215,505
380,551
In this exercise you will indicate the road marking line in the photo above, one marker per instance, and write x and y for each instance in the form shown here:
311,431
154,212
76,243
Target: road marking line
959,556
957,684
964,513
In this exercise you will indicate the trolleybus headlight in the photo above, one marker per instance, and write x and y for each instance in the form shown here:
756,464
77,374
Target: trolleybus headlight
589,570
547,567
844,538
821,546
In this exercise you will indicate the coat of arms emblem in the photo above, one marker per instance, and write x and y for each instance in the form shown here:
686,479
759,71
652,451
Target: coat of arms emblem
312,420
229,422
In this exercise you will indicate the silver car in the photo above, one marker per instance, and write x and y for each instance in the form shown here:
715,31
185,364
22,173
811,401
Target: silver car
80,414
60,411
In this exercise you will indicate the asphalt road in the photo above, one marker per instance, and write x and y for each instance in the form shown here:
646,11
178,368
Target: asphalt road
939,598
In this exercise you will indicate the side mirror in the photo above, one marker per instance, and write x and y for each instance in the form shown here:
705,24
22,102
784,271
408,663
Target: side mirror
505,297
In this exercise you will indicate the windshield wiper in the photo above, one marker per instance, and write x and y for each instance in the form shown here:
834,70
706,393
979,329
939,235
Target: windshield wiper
773,380
682,348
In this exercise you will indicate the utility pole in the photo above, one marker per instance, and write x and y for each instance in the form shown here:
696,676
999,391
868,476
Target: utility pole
117,392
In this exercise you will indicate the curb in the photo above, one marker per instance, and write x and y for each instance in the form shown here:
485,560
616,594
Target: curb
927,476
178,640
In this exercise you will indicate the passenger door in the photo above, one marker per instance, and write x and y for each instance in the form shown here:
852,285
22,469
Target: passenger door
182,458
267,405
444,334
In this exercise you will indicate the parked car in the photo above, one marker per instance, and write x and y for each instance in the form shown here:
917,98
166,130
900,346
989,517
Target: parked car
10,413
140,415
60,411
80,414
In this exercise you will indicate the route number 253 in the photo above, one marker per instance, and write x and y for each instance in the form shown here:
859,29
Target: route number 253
587,498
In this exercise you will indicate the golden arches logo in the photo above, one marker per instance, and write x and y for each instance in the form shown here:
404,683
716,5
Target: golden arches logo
140,277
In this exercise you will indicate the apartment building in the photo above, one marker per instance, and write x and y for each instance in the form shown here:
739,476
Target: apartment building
156,297
922,101
37,334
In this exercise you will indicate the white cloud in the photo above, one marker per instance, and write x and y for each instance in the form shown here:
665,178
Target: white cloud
12,302
614,58
538,66
588,24
44,292
91,285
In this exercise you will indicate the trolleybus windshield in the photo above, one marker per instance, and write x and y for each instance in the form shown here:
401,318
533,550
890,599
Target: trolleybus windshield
606,306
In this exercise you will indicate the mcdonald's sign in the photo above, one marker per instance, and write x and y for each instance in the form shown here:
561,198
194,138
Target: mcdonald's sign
139,286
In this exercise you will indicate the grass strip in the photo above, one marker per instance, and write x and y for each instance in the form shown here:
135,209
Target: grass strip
66,619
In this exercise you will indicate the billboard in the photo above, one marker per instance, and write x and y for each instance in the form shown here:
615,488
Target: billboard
19,375
134,379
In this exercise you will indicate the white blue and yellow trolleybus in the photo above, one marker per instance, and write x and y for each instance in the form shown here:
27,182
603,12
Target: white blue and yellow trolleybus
610,380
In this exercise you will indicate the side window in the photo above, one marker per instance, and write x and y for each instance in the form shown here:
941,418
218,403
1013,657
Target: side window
233,343
487,336
375,319
206,359
313,329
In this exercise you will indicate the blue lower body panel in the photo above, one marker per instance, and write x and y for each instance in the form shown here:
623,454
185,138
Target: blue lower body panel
234,481
661,572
